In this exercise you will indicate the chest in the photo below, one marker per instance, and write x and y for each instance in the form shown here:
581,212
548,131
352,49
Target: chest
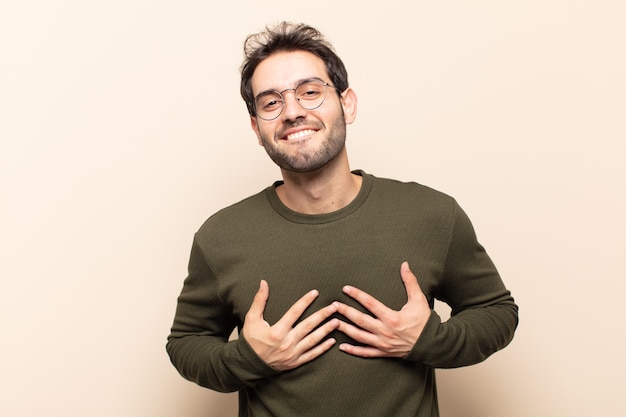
295,259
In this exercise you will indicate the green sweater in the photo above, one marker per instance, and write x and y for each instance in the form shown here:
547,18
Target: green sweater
362,244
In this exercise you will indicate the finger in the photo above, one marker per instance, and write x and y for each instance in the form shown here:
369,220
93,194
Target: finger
307,325
314,344
362,351
295,311
314,338
366,300
260,300
412,286
357,317
316,351
357,334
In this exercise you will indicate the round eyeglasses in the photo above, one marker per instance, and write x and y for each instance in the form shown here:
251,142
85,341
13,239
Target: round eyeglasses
309,94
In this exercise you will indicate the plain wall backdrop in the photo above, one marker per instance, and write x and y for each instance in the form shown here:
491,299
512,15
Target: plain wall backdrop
122,130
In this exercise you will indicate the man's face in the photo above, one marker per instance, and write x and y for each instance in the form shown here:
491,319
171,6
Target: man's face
301,140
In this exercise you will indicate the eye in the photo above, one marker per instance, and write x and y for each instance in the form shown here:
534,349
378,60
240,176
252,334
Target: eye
269,102
310,90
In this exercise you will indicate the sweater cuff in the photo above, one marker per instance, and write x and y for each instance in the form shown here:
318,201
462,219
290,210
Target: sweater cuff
254,362
423,344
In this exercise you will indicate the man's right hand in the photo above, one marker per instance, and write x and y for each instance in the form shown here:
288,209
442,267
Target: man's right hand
283,346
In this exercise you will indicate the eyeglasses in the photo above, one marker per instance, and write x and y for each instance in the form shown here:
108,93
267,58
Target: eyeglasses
310,94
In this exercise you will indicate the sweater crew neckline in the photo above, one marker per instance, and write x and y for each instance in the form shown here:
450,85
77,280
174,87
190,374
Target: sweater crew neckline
297,217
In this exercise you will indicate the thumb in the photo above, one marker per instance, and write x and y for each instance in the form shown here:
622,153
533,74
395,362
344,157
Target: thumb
260,300
409,279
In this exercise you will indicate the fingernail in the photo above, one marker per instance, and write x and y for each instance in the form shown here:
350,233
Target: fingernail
347,289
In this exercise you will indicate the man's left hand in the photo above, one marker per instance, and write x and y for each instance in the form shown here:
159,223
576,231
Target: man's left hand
389,333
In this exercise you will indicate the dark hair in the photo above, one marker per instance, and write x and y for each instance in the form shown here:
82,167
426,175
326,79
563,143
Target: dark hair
288,37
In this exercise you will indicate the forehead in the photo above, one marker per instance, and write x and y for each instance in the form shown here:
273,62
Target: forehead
283,70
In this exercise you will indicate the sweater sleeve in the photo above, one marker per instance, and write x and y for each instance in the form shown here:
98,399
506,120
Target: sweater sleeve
198,344
484,315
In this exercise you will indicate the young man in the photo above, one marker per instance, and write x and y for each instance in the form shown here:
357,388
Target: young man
330,275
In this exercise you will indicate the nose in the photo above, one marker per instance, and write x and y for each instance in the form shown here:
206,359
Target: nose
292,110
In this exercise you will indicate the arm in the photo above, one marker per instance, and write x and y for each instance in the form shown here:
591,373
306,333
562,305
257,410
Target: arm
484,316
198,344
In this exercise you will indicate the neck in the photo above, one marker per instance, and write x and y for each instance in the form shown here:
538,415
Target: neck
323,191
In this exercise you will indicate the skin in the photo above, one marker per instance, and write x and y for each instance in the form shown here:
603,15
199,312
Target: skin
389,333
281,345
309,147
322,182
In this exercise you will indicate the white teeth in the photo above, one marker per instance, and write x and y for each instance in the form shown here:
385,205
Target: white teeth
300,134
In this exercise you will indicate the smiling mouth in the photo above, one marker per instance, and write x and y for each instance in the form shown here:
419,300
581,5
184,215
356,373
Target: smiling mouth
300,134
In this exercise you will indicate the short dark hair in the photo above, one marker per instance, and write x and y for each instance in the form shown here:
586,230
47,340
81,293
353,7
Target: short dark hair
287,36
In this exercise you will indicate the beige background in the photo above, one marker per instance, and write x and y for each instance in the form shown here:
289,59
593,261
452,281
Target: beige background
122,129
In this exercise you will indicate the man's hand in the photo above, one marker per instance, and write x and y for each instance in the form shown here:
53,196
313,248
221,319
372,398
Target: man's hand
390,333
283,346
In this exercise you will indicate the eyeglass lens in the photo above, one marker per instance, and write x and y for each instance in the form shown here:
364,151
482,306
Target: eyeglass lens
309,94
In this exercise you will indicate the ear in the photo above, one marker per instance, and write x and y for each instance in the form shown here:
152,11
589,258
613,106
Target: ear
348,102
255,127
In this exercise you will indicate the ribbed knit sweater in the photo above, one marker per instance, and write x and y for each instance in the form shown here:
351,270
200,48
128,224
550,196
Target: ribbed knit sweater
363,245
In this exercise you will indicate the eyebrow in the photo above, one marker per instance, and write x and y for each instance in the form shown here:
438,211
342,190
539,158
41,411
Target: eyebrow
297,83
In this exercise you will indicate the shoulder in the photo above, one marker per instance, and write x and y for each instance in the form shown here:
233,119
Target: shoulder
238,215
410,192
